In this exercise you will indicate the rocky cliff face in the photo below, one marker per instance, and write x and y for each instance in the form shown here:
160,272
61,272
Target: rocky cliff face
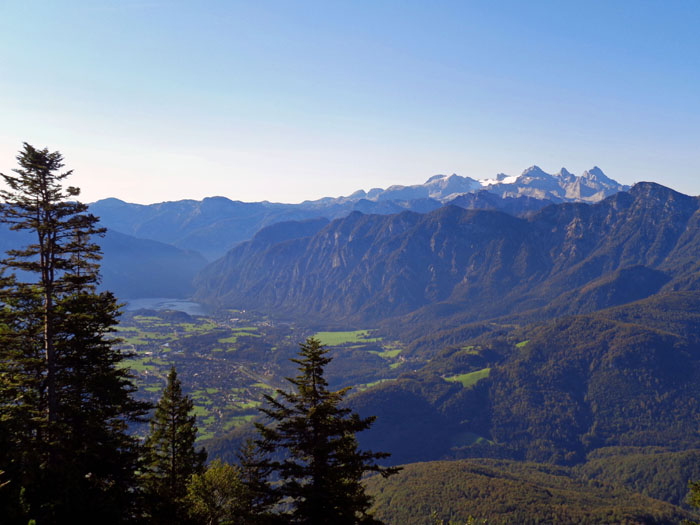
483,263
592,186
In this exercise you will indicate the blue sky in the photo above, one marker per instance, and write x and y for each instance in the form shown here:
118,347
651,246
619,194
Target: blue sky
291,100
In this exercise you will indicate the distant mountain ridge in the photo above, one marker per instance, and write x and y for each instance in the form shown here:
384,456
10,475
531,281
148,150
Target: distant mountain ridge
478,263
214,225
157,249
592,186
131,267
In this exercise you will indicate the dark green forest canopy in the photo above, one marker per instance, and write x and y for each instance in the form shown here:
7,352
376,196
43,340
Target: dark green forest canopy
509,492
627,376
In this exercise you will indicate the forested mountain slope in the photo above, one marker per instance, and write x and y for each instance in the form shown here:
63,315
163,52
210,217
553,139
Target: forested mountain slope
555,392
134,268
471,263
509,492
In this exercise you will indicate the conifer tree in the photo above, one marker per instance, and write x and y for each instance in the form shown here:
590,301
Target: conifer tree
65,402
322,468
257,500
171,458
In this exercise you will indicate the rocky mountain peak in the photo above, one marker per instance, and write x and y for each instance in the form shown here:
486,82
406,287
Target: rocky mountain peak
535,172
565,174
435,178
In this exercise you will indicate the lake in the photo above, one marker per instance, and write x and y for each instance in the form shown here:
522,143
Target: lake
162,303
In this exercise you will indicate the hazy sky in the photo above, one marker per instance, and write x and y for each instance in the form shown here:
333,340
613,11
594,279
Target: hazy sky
290,100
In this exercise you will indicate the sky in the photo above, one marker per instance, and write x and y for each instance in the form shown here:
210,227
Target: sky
285,101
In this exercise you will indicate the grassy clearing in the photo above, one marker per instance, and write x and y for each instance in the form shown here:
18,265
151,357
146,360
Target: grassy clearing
364,386
200,411
469,438
120,328
249,331
237,421
249,404
340,338
247,334
471,378
206,326
388,354
160,362
137,365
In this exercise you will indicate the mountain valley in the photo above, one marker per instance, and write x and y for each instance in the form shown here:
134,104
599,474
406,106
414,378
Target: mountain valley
538,331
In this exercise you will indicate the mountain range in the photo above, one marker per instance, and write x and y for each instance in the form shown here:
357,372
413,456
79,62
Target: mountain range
479,264
216,224
189,233
545,324
560,335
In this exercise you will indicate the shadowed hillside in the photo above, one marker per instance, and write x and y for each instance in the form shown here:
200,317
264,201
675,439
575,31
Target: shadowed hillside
470,264
509,492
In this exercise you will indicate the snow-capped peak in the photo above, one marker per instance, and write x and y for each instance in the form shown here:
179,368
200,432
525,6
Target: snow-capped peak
435,178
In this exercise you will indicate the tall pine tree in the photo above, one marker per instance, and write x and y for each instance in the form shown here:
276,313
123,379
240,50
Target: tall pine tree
65,401
321,469
171,456
257,501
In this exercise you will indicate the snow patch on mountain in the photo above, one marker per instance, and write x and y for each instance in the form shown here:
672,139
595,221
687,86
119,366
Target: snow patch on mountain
592,186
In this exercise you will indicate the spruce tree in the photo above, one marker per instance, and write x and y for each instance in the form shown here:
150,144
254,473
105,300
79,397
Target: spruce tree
171,458
257,500
321,469
65,401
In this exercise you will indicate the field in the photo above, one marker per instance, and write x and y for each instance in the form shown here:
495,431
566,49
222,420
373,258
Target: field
471,378
341,338
226,390
227,364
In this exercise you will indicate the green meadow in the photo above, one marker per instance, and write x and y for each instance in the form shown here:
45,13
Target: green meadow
341,338
225,378
470,378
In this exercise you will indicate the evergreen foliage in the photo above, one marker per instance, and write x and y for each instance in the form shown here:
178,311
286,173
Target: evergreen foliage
321,468
501,491
65,402
693,499
257,501
658,473
171,458
216,495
